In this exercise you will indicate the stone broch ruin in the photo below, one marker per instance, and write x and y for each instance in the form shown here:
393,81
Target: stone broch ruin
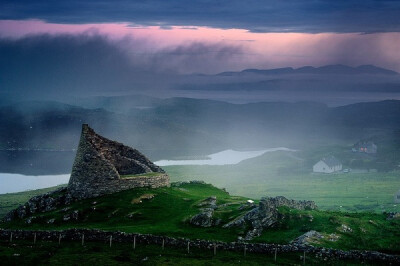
103,166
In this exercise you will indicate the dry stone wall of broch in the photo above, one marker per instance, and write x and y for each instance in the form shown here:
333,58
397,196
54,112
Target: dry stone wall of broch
100,163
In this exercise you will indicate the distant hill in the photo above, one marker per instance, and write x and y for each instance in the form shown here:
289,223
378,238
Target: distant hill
183,126
119,104
327,70
186,123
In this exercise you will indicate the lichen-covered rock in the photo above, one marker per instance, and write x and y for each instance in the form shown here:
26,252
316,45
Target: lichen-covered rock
42,203
71,216
210,202
393,215
345,229
29,220
266,214
203,219
307,238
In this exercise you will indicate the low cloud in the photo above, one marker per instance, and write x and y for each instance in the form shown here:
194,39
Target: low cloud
90,63
198,57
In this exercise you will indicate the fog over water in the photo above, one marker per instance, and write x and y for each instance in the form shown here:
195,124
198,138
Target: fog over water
222,158
10,183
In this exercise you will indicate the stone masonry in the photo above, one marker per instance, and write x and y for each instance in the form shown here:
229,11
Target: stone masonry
100,164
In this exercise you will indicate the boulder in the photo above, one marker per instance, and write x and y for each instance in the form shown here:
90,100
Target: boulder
266,215
307,238
203,219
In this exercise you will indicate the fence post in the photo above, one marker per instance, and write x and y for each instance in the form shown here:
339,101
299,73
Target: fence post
163,242
244,251
110,240
83,239
34,238
304,257
215,249
276,251
188,246
59,239
11,237
134,242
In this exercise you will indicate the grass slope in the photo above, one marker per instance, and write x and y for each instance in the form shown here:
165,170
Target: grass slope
166,211
11,201
289,174
95,253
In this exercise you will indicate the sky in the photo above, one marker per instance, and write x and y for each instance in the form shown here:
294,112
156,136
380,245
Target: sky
124,40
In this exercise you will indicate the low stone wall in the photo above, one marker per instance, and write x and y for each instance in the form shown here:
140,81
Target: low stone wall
120,184
97,235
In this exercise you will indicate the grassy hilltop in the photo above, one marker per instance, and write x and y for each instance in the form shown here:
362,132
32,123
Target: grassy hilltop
166,211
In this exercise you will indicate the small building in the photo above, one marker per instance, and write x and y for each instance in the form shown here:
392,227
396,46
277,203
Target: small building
365,147
397,197
327,165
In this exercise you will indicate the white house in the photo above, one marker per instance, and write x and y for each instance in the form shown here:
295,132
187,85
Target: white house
327,165
397,197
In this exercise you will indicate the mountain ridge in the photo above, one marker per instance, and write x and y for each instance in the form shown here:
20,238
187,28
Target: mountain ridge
336,69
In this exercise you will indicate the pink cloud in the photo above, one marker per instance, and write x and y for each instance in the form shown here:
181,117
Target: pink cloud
261,50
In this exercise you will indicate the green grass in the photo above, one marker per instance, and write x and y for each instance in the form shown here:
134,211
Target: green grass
289,175
168,212
95,253
165,214
370,231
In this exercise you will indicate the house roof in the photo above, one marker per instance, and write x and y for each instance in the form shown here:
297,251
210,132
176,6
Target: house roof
368,144
331,161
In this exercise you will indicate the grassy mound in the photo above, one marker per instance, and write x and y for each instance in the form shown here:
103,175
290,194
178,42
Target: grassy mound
167,211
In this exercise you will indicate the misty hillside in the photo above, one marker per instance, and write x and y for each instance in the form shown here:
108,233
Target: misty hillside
179,125
334,85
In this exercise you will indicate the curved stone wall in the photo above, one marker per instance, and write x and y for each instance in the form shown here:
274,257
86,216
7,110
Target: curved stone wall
115,185
100,162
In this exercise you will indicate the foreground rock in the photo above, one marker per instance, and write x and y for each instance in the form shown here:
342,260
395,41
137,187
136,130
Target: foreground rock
42,203
266,215
205,217
308,238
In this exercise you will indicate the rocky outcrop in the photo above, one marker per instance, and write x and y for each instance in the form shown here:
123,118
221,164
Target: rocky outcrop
266,214
307,238
392,215
41,203
205,217
100,164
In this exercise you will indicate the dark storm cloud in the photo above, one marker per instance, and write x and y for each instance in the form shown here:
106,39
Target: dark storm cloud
258,16
44,64
91,63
